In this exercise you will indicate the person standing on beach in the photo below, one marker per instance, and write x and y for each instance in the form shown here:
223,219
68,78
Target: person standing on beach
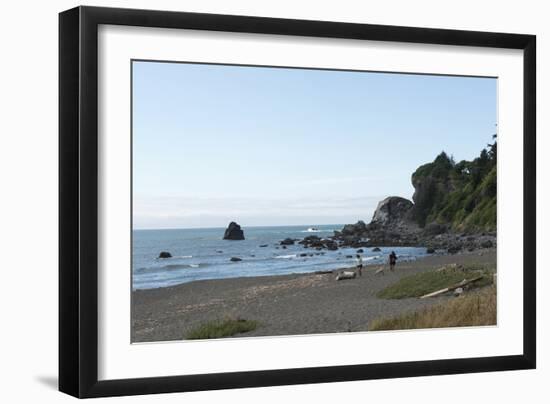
392,260
359,264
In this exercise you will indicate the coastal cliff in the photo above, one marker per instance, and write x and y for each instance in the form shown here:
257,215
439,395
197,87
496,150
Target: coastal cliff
461,195
453,207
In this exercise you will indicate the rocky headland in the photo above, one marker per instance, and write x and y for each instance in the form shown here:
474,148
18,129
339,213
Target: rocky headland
453,209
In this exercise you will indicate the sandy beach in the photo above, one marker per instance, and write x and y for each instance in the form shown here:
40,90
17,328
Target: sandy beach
284,305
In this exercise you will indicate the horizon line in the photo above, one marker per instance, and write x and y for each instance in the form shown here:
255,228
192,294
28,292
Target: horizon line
223,227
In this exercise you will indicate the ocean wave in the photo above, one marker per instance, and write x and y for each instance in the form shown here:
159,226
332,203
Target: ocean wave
174,257
314,230
286,256
181,266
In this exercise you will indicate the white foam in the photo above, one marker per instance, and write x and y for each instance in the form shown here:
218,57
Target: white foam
286,256
312,230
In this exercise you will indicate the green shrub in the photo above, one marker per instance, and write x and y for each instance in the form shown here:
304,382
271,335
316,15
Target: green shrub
221,328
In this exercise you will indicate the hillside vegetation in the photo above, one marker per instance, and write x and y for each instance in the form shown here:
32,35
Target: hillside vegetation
462,194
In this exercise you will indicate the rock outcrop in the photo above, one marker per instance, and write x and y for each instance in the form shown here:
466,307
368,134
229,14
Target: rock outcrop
233,232
455,242
356,229
392,210
165,254
319,243
391,225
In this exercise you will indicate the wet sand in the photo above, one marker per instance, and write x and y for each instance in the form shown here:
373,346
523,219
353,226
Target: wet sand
284,305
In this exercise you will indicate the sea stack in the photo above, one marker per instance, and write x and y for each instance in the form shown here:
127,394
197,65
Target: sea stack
233,232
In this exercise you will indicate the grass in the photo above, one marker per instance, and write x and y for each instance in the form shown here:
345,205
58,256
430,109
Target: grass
222,328
473,309
426,282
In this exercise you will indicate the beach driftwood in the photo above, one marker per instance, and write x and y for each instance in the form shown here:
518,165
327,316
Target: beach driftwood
452,287
345,275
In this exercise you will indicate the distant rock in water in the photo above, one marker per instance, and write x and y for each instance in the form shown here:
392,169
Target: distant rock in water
287,241
165,254
233,232
235,259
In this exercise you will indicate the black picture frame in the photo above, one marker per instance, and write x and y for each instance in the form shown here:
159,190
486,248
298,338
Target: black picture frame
78,201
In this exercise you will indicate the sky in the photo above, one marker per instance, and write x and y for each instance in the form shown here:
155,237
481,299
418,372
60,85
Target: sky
277,146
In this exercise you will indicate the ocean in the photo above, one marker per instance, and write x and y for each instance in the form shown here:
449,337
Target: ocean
199,254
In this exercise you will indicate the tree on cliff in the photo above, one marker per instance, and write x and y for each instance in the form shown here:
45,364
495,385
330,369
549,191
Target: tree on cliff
460,194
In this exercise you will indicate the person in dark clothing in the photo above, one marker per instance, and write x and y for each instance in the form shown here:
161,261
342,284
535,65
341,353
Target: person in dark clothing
392,260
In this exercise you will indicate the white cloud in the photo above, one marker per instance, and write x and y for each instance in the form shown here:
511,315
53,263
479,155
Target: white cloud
178,212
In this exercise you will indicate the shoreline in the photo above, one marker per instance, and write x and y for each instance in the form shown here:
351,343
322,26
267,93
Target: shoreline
290,304
366,267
